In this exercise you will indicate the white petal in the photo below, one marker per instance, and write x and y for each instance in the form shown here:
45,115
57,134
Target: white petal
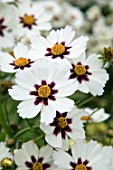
19,93
27,109
64,104
48,113
54,141
20,50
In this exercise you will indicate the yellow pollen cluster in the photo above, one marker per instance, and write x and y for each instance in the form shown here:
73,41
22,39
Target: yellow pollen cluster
85,118
28,19
81,167
62,122
37,166
79,70
21,62
57,49
44,91
6,163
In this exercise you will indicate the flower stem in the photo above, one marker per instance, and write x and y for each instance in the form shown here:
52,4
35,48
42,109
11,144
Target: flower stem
3,122
86,101
39,137
21,132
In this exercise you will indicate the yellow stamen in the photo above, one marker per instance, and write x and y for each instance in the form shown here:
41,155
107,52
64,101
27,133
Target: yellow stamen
21,62
28,19
62,122
44,91
37,166
81,167
86,118
79,70
57,49
6,163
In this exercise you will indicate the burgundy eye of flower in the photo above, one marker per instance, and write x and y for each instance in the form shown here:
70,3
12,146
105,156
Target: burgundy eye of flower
28,21
2,27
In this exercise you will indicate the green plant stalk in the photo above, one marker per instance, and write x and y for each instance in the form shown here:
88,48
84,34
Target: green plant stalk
21,132
86,101
3,123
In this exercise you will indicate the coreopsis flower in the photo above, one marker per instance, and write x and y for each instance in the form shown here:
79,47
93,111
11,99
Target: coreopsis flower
74,16
44,88
94,115
85,156
19,61
65,125
58,44
31,19
7,24
89,74
6,158
31,157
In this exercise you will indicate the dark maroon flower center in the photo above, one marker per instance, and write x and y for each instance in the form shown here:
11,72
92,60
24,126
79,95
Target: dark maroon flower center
61,124
58,50
80,72
80,165
28,21
44,92
2,27
21,63
37,164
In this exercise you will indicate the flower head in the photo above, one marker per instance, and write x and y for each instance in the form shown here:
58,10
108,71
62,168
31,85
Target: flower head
59,44
30,157
85,156
44,88
31,19
20,60
64,125
6,158
89,74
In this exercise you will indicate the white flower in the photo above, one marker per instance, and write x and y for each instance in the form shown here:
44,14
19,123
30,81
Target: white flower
43,89
85,156
94,115
64,125
74,16
90,75
108,152
5,156
20,60
30,157
7,23
59,43
31,20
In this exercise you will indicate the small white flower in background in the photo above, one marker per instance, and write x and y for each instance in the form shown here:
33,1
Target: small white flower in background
20,60
44,88
31,157
94,13
64,125
94,115
108,153
6,158
90,75
58,44
74,16
7,24
31,19
85,156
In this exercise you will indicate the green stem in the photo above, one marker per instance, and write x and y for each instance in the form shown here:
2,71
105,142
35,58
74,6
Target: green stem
39,137
29,123
21,132
6,112
4,123
86,101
